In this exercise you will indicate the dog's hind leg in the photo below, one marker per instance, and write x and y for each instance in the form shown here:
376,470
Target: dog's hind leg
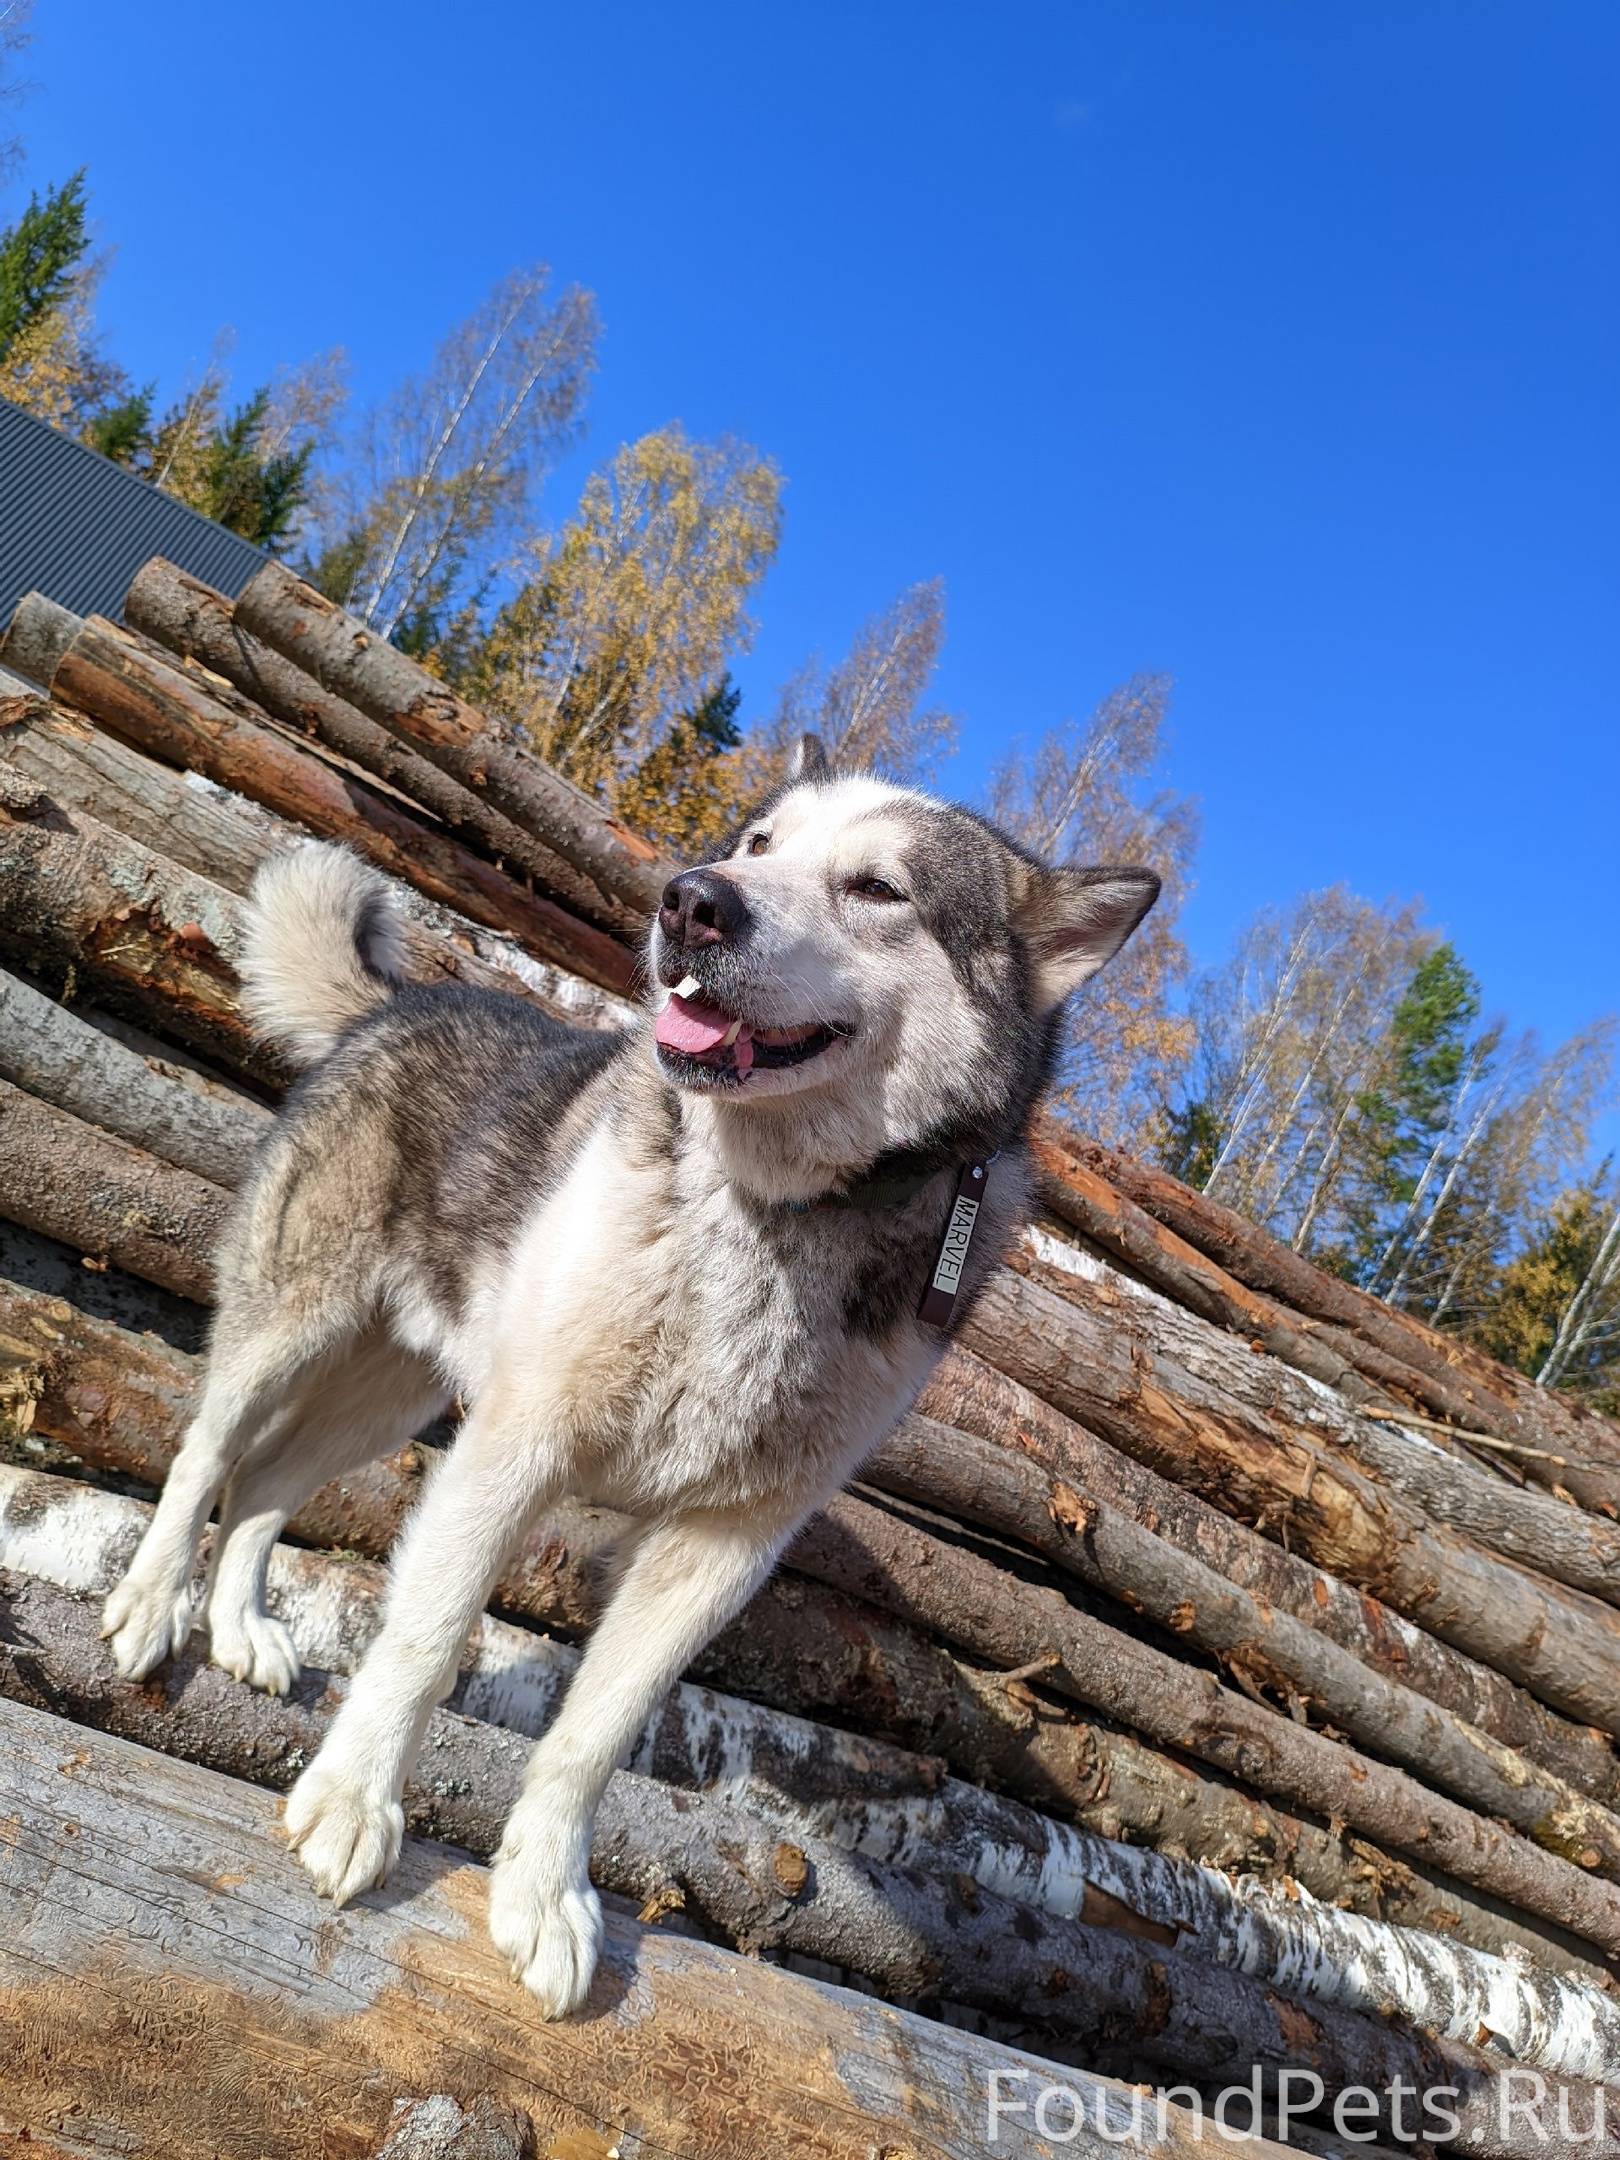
347,1410
256,1357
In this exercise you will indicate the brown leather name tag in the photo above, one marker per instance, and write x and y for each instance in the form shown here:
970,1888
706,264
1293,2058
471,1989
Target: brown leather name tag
939,1299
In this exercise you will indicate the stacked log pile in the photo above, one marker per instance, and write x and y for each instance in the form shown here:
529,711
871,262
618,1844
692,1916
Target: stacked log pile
1220,1670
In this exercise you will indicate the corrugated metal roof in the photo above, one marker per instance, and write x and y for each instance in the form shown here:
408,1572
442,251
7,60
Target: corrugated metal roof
77,527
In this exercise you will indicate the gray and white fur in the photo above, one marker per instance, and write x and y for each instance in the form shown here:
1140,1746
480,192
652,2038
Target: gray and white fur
675,1271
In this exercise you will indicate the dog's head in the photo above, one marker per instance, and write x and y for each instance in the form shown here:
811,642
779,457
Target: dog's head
894,963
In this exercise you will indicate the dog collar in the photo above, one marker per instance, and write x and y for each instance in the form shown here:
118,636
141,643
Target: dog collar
898,1177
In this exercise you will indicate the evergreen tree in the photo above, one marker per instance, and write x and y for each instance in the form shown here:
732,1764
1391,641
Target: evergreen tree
122,431
253,493
38,258
1409,1119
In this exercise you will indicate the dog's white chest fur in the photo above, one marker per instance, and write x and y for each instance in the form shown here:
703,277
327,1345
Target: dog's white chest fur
652,1327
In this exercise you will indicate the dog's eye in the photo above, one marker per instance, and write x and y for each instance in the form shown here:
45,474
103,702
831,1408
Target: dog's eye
758,843
873,888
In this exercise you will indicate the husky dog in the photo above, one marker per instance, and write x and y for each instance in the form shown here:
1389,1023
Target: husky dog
681,1271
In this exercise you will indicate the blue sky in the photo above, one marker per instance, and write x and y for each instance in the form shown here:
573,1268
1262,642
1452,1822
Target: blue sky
1270,346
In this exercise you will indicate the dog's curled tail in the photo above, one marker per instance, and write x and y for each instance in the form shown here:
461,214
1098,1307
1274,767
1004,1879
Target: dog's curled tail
322,945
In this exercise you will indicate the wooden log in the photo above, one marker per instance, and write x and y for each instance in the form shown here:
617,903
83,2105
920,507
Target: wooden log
991,1614
83,907
119,1204
118,1401
353,663
1084,1199
162,1224
1260,1645
1472,1382
169,714
967,1393
148,1902
36,638
1545,1534
194,622
917,1936
1185,1399
811,1781
146,825
47,1051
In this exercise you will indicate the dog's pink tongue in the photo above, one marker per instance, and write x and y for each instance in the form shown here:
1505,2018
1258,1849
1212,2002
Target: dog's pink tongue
685,1025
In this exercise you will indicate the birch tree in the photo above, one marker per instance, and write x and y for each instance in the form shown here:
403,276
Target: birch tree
871,708
1584,1354
625,620
1089,791
14,15
437,483
1292,1042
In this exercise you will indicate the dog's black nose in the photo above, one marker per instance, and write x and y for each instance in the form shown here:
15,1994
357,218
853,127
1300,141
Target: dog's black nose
700,907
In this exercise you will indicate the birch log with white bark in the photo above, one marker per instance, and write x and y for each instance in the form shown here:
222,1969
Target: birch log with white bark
914,1934
354,663
811,1781
118,1402
168,1988
992,1614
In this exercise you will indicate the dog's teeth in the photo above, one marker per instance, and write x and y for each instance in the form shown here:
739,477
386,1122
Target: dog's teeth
732,1033
687,987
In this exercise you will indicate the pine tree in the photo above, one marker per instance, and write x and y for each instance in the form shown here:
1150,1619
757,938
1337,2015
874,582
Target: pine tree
38,258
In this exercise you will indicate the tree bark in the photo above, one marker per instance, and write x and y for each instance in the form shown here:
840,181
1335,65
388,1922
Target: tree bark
118,1402
48,1052
967,1393
807,1782
39,632
993,1615
84,782
82,906
1461,1381
1552,1537
353,663
120,1205
1181,1398
168,714
1261,1646
1084,1198
195,622
913,1934
172,1988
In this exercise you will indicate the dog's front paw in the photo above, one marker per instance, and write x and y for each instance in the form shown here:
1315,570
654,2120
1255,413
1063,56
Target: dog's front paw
254,1647
549,1932
144,1623
346,1834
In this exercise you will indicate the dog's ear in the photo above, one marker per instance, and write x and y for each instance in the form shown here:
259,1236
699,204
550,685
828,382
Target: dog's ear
1074,921
810,761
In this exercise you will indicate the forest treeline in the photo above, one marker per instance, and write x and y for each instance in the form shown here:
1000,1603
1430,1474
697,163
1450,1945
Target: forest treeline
1337,1077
